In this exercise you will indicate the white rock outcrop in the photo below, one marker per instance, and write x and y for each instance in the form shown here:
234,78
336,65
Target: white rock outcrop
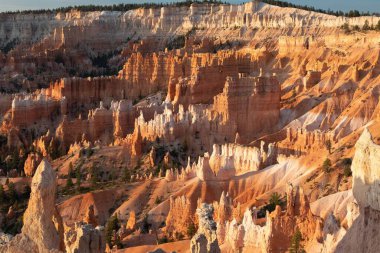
366,172
205,240
39,233
84,238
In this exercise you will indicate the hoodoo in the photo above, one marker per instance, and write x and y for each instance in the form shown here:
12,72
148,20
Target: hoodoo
194,126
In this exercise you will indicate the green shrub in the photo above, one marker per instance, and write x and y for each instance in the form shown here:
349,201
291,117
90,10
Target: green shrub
158,200
327,166
191,229
346,163
163,240
274,200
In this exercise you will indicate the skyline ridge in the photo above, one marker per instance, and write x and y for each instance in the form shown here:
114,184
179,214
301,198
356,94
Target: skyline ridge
372,6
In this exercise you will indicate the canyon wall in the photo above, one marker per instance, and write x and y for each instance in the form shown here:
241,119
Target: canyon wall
66,26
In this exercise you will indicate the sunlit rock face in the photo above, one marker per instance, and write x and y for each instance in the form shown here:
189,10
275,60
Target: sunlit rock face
244,100
365,173
363,234
39,233
248,235
230,105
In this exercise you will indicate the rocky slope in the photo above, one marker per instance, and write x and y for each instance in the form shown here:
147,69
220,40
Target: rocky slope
201,128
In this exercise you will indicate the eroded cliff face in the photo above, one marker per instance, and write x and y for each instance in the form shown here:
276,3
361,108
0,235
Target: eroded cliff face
64,27
275,235
214,103
364,169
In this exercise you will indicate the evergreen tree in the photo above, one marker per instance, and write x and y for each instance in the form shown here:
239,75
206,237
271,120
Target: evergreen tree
94,176
346,163
295,243
274,200
126,175
327,165
378,26
69,183
191,230
78,178
11,193
366,26
26,192
2,193
328,146
111,226
71,171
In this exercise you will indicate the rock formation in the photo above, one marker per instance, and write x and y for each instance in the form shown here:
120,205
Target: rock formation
31,163
85,238
180,216
43,229
251,236
245,99
39,233
224,104
363,234
90,217
205,240
131,224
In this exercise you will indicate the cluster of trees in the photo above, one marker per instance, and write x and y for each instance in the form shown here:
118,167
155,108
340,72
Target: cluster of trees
366,27
10,197
13,159
73,173
127,7
9,46
115,7
352,13
275,200
176,43
112,227
344,164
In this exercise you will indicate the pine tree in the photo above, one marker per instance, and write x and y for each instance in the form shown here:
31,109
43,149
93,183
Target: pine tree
327,166
2,194
191,229
274,200
295,243
70,173
78,177
94,176
366,26
12,194
69,183
378,26
26,192
126,175
328,146
112,225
